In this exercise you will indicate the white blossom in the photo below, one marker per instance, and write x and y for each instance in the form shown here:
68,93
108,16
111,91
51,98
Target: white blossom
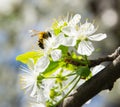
51,44
29,80
83,33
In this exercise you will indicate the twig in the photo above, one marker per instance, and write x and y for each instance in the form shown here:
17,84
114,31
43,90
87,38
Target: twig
111,57
95,62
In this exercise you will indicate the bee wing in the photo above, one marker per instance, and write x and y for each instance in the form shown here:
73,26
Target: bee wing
34,32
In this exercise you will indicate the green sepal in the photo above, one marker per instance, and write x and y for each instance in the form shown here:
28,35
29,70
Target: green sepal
35,55
54,92
83,71
75,56
60,78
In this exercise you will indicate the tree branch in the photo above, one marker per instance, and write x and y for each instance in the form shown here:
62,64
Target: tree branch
95,62
101,81
111,57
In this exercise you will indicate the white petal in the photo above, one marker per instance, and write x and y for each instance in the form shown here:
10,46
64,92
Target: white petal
28,90
69,41
42,64
85,48
97,37
56,54
40,95
72,49
87,29
33,90
48,84
69,31
97,69
58,40
75,20
37,105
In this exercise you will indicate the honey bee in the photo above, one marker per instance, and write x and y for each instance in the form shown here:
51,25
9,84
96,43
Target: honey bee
41,36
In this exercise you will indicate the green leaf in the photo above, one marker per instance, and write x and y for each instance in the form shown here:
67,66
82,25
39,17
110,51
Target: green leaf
35,55
83,71
53,66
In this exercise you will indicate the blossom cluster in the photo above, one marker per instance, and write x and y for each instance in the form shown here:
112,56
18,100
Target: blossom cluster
51,74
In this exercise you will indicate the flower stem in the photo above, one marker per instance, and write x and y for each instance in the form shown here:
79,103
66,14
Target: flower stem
69,91
69,84
71,74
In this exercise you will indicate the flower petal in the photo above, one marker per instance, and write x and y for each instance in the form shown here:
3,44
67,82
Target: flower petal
58,40
33,90
69,31
37,105
56,54
87,29
97,37
69,41
42,64
48,84
85,48
74,20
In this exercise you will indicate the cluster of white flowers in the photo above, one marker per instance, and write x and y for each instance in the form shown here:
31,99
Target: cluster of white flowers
68,33
83,34
37,88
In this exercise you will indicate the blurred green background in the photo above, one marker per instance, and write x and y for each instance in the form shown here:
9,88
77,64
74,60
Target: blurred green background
19,16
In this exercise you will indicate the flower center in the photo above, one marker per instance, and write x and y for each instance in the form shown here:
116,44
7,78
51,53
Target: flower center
82,37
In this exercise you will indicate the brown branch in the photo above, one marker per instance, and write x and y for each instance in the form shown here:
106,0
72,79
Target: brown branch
101,81
95,62
111,57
